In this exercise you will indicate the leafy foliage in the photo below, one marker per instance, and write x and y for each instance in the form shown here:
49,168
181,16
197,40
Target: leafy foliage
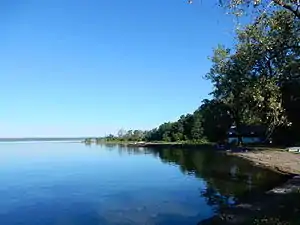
258,7
210,122
250,80
257,82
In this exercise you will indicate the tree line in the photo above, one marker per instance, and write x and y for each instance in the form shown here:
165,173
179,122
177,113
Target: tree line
256,82
210,122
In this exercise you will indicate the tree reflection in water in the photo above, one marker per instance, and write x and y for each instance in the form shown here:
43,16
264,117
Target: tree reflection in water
228,179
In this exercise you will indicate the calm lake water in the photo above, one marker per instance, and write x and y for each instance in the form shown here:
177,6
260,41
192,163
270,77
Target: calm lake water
74,184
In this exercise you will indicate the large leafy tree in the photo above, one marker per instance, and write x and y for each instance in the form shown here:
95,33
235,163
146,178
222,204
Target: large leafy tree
272,48
250,78
230,77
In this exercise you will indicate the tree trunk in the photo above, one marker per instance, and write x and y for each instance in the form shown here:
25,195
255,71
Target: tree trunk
240,140
238,132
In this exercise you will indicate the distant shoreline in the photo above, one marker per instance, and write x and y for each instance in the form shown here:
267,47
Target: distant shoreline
39,140
35,142
152,144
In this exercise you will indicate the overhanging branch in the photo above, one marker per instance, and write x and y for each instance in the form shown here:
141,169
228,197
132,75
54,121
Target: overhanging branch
289,6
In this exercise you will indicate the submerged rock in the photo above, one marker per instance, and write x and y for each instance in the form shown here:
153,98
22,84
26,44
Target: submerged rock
291,186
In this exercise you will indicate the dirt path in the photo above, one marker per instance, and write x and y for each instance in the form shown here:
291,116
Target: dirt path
279,160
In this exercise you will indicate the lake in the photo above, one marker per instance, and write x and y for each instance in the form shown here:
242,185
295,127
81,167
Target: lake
77,184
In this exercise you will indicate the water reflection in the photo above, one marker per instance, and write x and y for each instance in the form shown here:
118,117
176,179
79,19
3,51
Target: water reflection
60,184
227,179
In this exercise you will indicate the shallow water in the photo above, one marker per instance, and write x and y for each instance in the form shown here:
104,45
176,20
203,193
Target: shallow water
75,184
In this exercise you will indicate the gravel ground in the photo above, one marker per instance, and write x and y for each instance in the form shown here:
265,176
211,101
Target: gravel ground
279,160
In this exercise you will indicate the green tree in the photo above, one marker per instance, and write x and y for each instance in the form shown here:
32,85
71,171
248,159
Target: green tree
121,133
197,129
258,7
129,135
229,77
216,120
138,135
273,48
250,79
187,126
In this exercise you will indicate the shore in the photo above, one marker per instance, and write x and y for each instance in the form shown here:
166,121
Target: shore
278,160
156,144
278,206
171,144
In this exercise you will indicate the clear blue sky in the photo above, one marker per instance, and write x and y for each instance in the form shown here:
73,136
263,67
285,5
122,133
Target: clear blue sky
77,68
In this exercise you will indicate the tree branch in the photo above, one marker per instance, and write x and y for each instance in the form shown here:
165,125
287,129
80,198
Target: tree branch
289,7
